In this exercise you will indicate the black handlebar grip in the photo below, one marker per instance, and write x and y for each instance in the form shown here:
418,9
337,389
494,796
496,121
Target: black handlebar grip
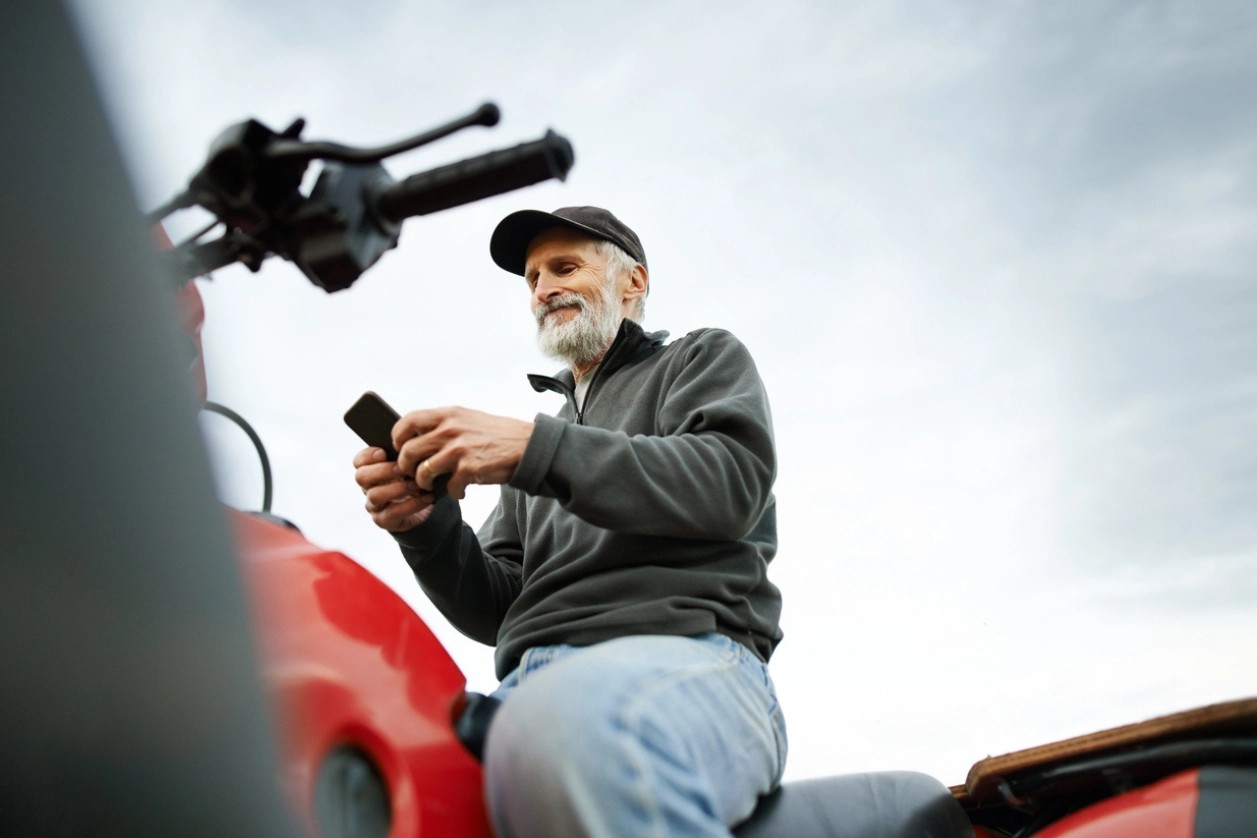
477,177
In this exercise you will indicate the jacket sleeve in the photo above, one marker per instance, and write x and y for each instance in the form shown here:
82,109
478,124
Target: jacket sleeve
471,579
707,474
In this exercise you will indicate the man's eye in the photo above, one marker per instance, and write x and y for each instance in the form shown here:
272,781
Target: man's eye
564,270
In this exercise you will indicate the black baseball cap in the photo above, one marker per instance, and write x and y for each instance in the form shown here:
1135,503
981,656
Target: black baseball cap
509,244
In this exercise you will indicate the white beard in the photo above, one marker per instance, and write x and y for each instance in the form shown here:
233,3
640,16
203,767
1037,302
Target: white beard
587,334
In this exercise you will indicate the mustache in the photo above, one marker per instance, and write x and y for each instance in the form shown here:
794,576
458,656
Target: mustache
561,302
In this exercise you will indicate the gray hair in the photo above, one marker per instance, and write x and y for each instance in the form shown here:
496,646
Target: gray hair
618,264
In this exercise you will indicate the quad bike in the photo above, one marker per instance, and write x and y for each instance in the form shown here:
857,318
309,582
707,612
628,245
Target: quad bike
380,736
136,622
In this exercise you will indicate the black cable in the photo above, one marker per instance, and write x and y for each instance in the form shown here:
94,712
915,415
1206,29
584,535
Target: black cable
221,410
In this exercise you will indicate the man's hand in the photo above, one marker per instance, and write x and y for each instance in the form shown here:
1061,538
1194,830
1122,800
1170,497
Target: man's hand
394,502
468,445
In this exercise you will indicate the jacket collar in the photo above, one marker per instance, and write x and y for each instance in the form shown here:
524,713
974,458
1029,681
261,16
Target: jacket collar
631,343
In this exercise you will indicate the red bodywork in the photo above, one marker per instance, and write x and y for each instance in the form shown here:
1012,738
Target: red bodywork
1166,809
348,662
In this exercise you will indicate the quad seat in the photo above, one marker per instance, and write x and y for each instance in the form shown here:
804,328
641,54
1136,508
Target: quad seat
881,804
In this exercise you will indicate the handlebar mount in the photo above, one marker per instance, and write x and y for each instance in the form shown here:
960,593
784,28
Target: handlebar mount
251,184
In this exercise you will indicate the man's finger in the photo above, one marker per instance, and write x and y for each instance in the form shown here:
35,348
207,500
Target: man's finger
382,494
417,423
424,461
427,472
377,474
404,514
457,485
369,455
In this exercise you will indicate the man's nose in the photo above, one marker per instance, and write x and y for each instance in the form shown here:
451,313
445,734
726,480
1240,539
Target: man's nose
546,290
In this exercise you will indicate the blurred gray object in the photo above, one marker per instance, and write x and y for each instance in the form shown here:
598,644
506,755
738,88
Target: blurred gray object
131,703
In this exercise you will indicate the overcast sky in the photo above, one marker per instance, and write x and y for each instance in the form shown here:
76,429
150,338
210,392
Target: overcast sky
995,262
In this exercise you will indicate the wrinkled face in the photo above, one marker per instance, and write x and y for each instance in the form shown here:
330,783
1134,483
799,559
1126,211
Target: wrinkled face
562,261
577,306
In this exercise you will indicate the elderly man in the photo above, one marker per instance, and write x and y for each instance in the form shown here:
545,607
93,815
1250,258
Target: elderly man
623,574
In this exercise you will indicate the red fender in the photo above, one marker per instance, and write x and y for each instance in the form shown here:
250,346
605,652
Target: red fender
349,663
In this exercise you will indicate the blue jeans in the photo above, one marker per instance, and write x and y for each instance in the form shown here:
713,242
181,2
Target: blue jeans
643,735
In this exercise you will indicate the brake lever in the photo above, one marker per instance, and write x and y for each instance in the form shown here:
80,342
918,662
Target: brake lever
305,151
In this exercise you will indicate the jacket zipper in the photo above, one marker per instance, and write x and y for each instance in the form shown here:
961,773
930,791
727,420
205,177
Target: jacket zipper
545,382
589,394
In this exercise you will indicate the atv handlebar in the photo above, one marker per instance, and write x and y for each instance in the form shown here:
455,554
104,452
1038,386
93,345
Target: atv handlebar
251,184
477,177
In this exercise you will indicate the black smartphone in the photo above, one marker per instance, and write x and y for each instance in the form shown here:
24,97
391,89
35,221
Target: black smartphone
372,419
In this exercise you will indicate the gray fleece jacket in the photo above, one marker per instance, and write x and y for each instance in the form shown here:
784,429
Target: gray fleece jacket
650,511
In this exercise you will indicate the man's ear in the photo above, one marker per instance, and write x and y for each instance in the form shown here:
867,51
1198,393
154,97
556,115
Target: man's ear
639,283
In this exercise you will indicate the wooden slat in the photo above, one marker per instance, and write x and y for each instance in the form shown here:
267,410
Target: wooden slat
983,780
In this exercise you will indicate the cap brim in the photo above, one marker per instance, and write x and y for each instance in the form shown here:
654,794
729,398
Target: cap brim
509,243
